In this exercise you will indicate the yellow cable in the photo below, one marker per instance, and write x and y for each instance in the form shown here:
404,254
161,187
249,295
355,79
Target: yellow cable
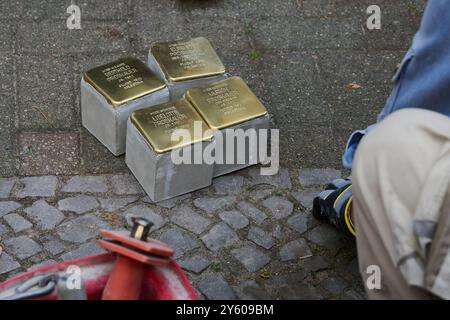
349,223
337,199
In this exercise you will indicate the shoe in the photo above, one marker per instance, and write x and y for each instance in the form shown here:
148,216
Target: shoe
334,205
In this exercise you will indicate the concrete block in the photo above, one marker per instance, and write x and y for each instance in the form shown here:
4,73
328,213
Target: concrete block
185,64
237,116
108,122
158,175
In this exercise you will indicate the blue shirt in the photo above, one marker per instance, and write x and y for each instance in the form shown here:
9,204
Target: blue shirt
423,78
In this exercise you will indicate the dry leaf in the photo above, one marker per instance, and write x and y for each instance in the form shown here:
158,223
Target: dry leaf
353,85
265,274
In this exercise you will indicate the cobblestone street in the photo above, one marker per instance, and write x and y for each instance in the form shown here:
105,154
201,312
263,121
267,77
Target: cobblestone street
245,237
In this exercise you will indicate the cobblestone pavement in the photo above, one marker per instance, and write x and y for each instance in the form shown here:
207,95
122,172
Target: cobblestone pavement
246,236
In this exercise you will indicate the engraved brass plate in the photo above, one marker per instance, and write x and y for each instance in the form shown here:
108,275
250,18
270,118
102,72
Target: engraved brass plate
226,103
157,124
123,80
187,59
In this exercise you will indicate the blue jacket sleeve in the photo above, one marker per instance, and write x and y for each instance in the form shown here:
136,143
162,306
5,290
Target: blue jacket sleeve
352,145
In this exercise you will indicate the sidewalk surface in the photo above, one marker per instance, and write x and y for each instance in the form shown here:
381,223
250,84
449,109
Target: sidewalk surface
246,236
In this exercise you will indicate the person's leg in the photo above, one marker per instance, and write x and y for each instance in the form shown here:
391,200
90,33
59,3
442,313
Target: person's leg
390,169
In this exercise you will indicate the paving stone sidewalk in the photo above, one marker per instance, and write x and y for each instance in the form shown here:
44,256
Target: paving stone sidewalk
297,55
245,237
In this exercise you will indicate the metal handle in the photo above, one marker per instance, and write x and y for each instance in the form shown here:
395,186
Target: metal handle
141,228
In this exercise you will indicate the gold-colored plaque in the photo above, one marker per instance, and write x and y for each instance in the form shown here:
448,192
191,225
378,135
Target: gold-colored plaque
187,59
225,103
157,123
123,80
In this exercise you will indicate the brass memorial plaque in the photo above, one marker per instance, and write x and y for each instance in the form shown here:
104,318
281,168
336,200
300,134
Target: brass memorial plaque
187,59
123,80
226,103
157,124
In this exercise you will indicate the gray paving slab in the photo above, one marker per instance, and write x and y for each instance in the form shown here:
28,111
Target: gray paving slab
49,153
90,10
22,247
43,186
46,216
53,36
214,287
45,94
311,33
237,8
6,186
7,134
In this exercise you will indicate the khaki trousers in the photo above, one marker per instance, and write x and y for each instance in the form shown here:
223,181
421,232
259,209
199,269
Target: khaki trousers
391,168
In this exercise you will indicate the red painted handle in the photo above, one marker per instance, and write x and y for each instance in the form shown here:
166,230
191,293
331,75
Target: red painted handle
125,280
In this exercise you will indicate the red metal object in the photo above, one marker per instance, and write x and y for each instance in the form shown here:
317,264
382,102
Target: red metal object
138,268
125,280
167,282
133,255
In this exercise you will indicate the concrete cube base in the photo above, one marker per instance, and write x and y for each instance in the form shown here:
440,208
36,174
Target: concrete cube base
178,89
160,178
257,124
108,124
